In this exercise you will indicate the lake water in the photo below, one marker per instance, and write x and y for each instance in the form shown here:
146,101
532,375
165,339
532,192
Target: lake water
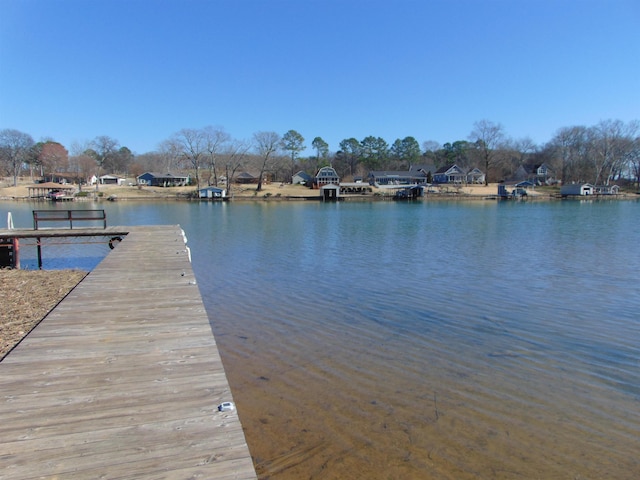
444,340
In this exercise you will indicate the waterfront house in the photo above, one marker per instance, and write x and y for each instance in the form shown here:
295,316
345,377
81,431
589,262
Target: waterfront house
536,173
110,180
475,175
301,178
427,170
450,174
326,176
152,179
245,177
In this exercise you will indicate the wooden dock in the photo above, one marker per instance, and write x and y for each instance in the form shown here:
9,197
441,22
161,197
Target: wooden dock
123,378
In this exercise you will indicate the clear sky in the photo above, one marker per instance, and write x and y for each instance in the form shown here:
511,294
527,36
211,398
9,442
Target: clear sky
141,70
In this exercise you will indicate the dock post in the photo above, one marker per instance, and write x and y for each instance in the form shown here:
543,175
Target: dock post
39,248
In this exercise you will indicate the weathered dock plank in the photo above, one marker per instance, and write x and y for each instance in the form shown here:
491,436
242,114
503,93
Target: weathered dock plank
123,378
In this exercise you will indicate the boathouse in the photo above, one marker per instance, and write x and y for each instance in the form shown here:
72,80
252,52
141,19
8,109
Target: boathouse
576,189
396,177
606,189
44,190
330,192
212,193
409,193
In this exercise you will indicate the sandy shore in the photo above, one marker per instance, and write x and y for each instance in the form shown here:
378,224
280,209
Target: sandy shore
27,297
271,191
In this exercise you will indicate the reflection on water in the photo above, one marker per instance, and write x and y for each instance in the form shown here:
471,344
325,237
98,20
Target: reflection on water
424,340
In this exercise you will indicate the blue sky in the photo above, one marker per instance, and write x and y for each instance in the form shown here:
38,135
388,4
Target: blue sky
141,70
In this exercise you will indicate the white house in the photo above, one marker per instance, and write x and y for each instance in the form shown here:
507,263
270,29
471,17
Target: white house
475,175
111,180
327,176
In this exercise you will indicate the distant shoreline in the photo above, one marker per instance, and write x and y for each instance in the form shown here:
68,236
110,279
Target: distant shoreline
276,192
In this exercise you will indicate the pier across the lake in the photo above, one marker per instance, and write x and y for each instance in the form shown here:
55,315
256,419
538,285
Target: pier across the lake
123,378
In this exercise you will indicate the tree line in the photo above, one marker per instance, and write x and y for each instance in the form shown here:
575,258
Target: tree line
606,152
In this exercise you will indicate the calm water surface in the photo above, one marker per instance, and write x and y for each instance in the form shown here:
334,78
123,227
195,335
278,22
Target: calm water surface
419,340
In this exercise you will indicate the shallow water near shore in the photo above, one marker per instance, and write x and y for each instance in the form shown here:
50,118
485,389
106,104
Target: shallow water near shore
419,340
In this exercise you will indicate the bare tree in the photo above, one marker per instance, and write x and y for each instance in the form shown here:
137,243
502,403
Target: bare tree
611,141
80,162
193,146
488,137
215,138
235,155
103,150
266,145
53,157
570,145
520,151
123,158
170,152
14,149
83,166
634,160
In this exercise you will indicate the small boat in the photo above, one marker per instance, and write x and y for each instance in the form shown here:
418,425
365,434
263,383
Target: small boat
55,195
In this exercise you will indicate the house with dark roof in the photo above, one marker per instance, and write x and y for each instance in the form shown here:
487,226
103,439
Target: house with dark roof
426,169
450,174
153,179
402,177
302,178
536,173
245,177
